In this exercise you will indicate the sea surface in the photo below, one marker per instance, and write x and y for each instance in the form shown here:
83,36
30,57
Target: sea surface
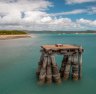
19,60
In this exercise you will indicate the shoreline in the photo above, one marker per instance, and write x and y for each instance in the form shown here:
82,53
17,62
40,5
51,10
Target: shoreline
6,37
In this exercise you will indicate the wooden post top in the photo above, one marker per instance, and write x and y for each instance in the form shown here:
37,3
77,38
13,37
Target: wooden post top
61,47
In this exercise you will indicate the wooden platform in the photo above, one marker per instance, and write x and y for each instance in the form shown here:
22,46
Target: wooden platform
48,70
60,47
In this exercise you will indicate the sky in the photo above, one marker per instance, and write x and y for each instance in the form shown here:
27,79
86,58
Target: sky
54,15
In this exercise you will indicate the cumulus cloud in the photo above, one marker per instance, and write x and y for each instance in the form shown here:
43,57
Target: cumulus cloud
24,5
86,22
33,10
32,15
78,1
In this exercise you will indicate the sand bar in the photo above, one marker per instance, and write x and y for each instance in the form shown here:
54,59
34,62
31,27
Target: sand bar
5,37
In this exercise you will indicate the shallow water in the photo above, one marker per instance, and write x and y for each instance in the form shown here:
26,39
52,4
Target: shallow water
19,60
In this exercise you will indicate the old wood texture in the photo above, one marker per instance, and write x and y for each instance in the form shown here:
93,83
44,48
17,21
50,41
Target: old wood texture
80,65
40,64
42,74
67,68
71,64
63,65
64,47
49,71
55,70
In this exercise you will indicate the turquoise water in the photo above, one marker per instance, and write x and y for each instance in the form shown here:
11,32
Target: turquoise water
18,64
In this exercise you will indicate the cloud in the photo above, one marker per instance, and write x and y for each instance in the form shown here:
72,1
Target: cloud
32,15
24,5
86,22
90,10
18,12
76,11
78,1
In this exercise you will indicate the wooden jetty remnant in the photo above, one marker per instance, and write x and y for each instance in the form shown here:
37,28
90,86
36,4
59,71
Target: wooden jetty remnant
71,64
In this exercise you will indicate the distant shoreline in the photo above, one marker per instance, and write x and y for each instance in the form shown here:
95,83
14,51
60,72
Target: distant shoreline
13,34
6,37
63,32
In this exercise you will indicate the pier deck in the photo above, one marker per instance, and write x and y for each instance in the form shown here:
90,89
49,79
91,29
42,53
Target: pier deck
60,47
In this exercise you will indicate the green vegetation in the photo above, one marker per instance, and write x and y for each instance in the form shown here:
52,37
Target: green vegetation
11,32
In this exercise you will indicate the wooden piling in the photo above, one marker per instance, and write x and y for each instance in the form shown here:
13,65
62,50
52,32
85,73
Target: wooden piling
55,70
80,65
75,70
63,65
56,74
67,69
75,67
47,68
40,64
42,75
49,71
